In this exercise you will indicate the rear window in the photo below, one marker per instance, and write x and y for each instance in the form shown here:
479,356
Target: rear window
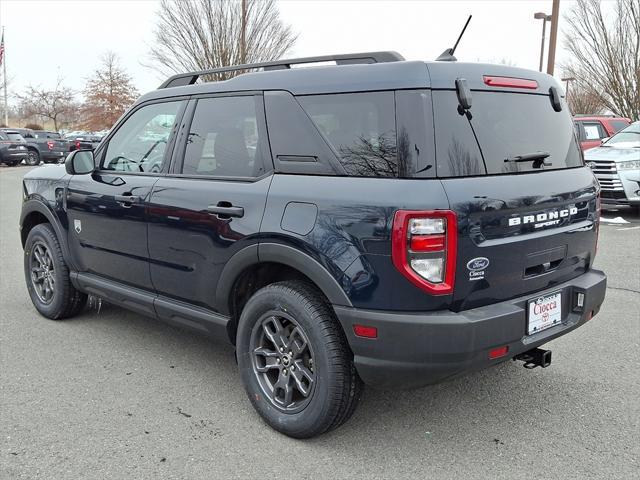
506,125
15,136
361,128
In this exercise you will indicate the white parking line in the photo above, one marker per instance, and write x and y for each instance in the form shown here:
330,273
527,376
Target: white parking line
629,228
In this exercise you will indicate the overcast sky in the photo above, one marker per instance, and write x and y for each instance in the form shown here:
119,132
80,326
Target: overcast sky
47,38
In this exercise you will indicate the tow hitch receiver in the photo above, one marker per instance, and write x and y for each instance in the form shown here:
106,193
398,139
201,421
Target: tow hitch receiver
536,357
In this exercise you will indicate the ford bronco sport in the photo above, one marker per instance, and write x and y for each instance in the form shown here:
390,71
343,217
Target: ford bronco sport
387,222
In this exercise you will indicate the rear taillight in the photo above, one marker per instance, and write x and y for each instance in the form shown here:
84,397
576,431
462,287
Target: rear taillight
78,144
50,144
423,248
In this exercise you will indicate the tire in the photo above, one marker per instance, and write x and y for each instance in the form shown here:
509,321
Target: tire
33,159
44,266
316,358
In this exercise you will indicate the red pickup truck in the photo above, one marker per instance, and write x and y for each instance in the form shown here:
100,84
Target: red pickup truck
592,129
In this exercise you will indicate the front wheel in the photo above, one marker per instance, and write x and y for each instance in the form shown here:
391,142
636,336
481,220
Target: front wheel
47,276
295,362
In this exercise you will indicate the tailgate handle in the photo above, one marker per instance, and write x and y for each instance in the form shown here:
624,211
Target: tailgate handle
542,262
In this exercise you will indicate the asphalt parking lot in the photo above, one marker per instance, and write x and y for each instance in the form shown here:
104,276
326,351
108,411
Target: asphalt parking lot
112,394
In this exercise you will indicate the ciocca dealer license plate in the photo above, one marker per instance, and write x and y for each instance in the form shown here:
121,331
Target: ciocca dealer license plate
544,312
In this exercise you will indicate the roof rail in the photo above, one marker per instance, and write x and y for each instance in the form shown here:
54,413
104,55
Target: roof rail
190,78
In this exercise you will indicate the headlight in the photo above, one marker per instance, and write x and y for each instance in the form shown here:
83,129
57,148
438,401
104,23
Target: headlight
629,165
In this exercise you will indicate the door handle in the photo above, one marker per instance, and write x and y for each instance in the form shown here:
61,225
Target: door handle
225,210
127,200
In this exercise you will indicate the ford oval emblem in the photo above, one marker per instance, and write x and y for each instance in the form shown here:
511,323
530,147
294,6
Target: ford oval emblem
478,263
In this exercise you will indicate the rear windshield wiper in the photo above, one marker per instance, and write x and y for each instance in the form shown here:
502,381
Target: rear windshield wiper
537,158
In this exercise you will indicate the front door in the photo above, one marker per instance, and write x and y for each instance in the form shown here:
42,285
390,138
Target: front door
107,209
211,205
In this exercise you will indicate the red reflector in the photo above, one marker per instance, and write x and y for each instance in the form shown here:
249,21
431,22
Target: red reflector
510,82
364,331
498,352
427,243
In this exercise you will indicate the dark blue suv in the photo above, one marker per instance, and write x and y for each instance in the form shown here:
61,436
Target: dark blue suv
382,221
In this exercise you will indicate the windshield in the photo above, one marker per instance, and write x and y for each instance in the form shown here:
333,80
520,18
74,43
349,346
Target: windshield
629,137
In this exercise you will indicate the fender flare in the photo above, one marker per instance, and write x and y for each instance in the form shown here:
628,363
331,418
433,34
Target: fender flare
33,205
286,255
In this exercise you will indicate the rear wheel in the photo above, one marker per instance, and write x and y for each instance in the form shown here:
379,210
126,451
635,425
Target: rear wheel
295,362
33,159
47,276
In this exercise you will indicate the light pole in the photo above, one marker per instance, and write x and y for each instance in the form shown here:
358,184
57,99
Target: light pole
555,17
567,80
545,18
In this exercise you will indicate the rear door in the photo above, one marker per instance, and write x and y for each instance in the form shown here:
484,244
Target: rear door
211,204
523,226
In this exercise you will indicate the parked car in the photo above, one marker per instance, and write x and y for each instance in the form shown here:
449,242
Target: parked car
52,147
82,141
383,221
41,145
616,164
593,129
13,149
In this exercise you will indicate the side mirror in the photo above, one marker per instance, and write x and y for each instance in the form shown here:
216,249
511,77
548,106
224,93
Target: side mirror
80,162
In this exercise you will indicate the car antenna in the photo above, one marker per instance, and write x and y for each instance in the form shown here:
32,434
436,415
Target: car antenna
447,55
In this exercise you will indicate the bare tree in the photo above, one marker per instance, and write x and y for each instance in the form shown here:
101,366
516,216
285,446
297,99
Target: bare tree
584,100
57,105
107,94
201,34
606,54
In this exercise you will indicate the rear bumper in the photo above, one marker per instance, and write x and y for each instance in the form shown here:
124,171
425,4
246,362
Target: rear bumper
11,157
53,156
417,349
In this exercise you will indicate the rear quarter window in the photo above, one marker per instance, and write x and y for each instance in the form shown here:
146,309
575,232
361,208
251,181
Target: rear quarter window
360,127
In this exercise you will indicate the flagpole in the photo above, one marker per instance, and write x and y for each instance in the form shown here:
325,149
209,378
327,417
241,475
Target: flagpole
4,77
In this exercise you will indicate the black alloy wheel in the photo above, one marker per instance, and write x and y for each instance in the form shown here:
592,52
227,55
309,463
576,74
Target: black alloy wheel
282,361
33,158
42,272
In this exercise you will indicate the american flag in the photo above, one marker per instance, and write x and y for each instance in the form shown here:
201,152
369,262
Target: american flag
2,48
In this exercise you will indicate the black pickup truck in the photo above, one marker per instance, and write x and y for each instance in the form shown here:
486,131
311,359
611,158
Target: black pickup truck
41,145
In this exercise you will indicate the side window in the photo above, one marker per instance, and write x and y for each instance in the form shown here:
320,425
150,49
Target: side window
618,125
140,143
361,127
225,138
593,131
